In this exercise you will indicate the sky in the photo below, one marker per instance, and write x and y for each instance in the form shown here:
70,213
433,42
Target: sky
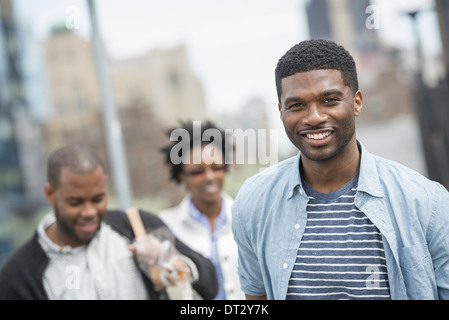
233,45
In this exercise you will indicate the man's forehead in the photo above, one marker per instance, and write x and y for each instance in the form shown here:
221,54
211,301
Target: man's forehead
69,175
316,80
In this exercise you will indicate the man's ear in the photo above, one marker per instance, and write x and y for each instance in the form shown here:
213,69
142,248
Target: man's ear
358,98
49,193
280,110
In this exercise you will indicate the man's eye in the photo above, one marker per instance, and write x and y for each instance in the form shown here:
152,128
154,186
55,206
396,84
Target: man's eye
331,100
74,203
296,106
98,199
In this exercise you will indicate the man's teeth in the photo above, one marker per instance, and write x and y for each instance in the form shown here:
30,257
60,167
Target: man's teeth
318,136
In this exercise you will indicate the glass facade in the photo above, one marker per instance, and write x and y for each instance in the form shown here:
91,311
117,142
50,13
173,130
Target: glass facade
20,152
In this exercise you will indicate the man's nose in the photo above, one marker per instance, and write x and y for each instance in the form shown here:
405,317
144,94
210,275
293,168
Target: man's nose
314,115
89,210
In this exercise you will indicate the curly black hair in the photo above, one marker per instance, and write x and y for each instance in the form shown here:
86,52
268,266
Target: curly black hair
195,139
316,54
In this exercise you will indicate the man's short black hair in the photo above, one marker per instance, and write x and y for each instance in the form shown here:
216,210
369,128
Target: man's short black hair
176,168
78,158
316,54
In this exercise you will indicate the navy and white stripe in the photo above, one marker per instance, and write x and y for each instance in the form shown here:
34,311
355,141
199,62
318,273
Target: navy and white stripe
341,255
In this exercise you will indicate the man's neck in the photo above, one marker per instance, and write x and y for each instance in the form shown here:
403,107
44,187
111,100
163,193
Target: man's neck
332,175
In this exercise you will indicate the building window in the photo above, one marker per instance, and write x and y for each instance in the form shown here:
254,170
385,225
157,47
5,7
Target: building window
174,79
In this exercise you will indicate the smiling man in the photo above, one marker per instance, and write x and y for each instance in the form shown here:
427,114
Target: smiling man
81,250
336,222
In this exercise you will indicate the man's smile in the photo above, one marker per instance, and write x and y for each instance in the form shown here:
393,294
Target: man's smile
317,137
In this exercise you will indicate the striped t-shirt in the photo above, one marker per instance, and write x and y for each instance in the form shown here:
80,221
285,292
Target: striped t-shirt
341,255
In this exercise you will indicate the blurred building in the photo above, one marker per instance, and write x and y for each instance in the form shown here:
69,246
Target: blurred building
386,83
74,92
442,9
163,80
431,100
388,89
21,153
391,85
151,92
252,115
344,22
247,128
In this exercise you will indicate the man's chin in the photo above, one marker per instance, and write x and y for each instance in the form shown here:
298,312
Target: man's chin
316,153
322,157
86,237
83,240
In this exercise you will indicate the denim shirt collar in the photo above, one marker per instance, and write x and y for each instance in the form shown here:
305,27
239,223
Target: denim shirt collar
368,179
294,177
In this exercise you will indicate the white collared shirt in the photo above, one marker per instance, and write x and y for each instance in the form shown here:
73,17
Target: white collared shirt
193,233
104,269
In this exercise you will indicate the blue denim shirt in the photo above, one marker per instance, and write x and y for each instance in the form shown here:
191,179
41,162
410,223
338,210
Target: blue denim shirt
411,212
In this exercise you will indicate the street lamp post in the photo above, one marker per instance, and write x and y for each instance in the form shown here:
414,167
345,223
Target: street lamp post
114,139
